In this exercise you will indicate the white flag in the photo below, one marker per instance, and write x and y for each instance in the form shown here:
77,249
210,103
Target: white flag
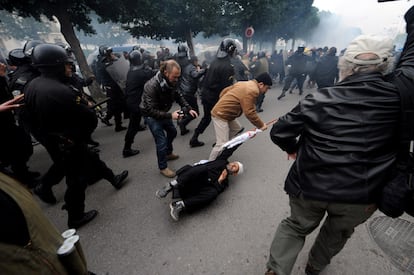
241,138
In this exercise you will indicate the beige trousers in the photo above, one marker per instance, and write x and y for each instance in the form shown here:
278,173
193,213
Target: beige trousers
225,130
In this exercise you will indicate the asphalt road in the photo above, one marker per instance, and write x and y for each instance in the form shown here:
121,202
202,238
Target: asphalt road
134,234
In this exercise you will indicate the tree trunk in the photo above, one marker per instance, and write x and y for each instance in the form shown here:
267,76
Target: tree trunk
190,44
293,44
245,49
66,29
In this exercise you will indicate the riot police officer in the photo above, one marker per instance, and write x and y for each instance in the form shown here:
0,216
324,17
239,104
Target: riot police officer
219,75
182,56
20,77
12,137
116,103
138,74
63,125
25,72
297,70
188,86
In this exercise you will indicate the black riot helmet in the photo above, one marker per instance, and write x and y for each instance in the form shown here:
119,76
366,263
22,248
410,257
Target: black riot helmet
29,46
136,47
227,47
105,50
301,48
182,51
16,57
50,58
66,47
135,58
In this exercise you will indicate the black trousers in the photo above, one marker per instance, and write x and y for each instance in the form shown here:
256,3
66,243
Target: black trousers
205,121
74,169
259,101
197,196
56,171
80,166
15,149
116,104
192,100
133,127
300,78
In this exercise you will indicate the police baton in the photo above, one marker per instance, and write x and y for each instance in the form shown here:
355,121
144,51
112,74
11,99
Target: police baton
100,103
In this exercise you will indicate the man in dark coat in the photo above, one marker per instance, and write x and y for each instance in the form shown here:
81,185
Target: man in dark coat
15,144
138,75
219,75
326,71
346,151
297,70
188,86
63,124
116,104
197,186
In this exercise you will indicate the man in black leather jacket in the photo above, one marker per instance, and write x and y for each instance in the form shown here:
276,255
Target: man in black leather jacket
345,141
160,92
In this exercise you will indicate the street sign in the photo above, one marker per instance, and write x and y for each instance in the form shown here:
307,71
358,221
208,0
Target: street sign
249,32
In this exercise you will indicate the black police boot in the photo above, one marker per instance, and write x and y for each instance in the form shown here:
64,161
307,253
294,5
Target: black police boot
182,123
93,143
119,180
81,220
119,128
128,151
106,121
142,128
310,270
183,130
194,142
45,194
282,95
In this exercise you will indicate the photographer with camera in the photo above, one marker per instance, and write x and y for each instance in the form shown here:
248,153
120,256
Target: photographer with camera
159,94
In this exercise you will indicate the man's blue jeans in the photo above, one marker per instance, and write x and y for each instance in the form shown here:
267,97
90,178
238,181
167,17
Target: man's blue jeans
164,132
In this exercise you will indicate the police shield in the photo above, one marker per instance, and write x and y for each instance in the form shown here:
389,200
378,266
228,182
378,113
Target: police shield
118,70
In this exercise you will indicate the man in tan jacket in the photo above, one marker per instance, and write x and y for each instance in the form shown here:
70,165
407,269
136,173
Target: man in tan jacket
235,100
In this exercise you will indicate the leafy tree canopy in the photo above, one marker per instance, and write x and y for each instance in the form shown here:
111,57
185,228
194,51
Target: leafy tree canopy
21,28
